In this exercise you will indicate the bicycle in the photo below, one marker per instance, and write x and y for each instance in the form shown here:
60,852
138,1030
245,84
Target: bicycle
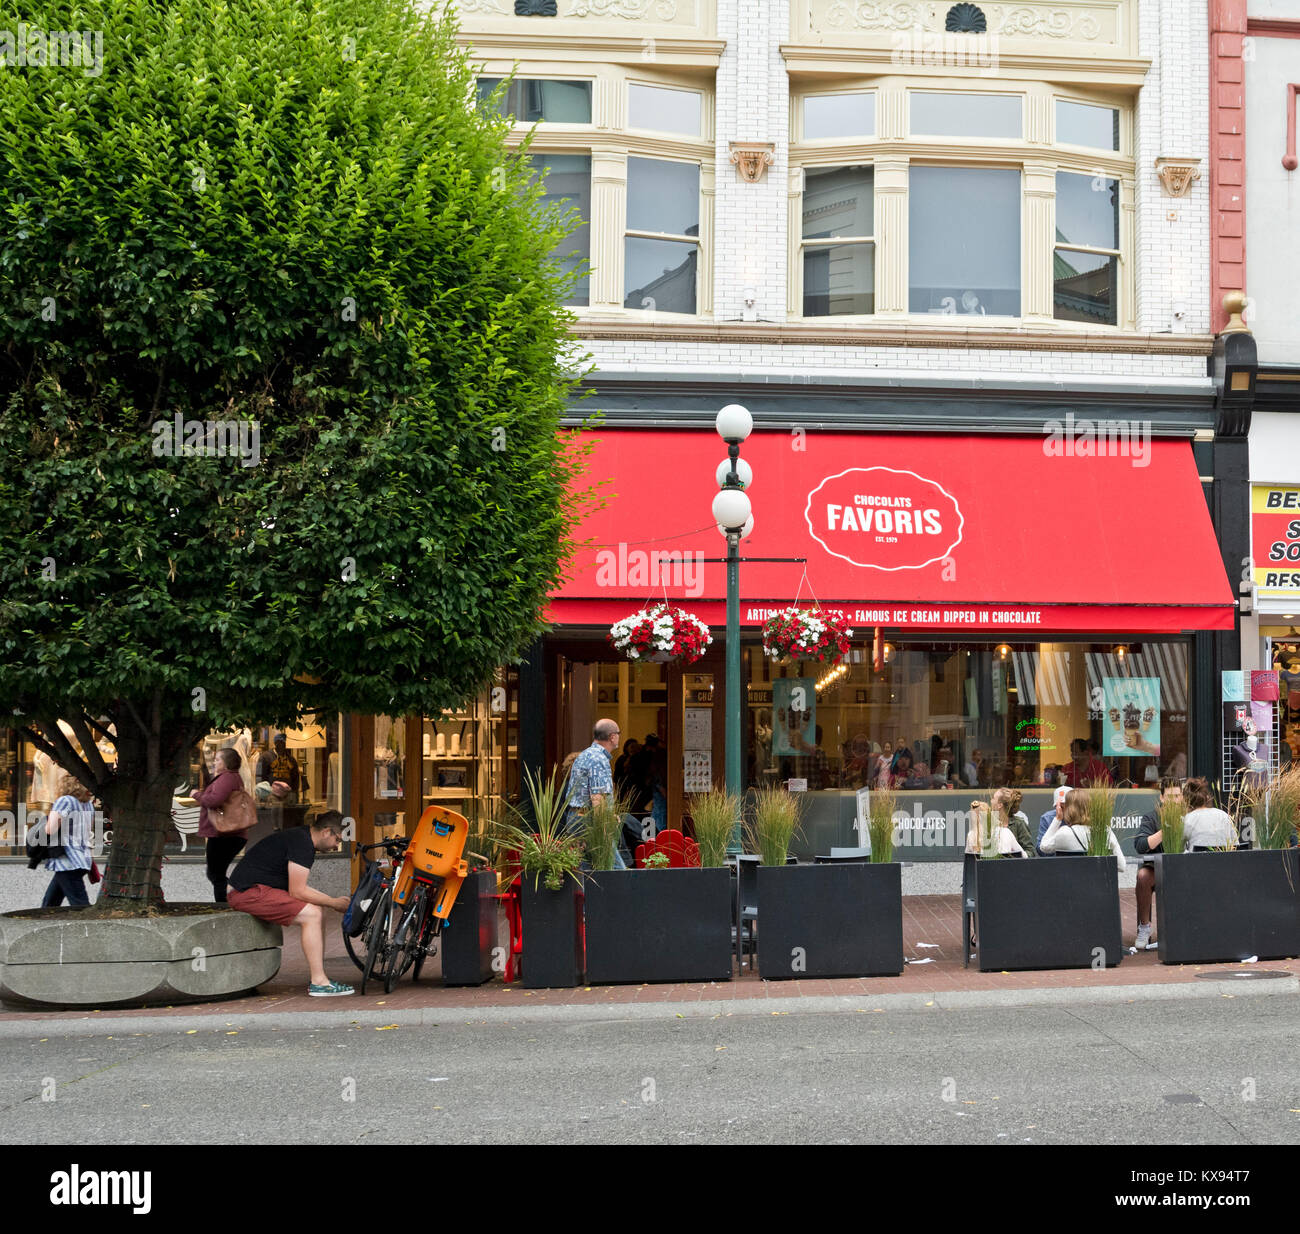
414,900
377,936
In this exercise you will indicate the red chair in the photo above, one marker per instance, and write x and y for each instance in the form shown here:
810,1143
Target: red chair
512,898
680,851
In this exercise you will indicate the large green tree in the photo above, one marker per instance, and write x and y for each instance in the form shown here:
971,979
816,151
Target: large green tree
286,220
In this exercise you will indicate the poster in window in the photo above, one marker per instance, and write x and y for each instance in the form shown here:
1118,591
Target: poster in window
1131,716
795,702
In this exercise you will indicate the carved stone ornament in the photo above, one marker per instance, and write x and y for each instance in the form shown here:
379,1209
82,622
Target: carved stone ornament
1007,20
1177,175
752,158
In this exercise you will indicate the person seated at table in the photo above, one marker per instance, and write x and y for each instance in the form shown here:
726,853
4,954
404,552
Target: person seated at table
1205,826
1068,835
1149,841
1006,803
899,772
982,818
1045,821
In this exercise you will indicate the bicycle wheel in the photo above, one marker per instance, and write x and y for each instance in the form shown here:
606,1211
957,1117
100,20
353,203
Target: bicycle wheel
376,937
428,944
402,952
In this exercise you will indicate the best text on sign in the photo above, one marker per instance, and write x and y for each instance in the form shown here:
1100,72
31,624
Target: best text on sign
1275,531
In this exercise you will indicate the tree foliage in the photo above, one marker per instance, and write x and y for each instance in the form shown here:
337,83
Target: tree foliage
285,218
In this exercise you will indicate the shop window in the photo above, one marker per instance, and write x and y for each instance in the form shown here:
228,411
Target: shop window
1085,273
935,114
839,115
964,241
838,244
529,100
661,247
950,717
567,180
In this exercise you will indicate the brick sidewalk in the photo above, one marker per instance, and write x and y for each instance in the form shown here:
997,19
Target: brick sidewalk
926,919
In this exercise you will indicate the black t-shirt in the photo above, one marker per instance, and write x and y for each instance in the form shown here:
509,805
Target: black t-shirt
267,862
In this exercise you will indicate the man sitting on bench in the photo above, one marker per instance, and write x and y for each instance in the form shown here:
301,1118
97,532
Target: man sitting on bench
270,883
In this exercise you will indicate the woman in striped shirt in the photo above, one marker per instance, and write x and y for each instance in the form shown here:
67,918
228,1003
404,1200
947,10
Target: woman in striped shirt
69,824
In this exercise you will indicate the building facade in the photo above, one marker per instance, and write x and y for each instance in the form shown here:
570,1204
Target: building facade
956,259
1255,246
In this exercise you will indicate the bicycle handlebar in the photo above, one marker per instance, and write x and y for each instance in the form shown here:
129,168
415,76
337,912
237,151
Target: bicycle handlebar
393,846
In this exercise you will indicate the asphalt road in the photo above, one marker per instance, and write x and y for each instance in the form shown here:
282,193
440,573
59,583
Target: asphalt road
1217,1070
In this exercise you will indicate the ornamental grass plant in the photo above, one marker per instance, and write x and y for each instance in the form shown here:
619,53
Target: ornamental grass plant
1099,807
546,850
1275,807
775,823
985,823
1172,815
881,805
714,814
601,827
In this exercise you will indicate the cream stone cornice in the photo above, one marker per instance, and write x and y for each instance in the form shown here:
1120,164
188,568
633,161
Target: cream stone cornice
894,334
873,61
594,48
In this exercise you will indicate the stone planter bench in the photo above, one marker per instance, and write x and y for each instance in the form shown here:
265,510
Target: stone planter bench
115,962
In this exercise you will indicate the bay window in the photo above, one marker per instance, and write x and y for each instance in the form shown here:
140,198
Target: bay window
949,199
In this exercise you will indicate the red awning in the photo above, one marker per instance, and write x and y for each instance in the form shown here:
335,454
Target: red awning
942,533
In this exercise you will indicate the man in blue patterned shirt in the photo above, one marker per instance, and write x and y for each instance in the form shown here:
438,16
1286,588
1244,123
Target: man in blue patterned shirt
591,779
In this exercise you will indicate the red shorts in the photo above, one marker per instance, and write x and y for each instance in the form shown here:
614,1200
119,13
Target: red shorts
266,903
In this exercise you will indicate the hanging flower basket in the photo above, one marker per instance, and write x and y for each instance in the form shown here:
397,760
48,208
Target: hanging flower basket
807,634
662,634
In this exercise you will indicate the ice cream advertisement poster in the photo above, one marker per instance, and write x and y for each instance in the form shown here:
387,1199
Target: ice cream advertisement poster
1131,716
795,703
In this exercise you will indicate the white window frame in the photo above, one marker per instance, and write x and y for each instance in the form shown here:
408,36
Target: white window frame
610,142
893,150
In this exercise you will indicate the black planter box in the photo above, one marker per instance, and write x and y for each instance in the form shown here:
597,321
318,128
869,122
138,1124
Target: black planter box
658,925
552,934
469,936
1227,906
830,920
1047,912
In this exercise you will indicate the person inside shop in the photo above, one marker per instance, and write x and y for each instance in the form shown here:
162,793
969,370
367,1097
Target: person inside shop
277,765
815,765
623,767
1084,768
899,770
1050,816
1148,842
220,847
591,781
270,883
1068,835
1205,826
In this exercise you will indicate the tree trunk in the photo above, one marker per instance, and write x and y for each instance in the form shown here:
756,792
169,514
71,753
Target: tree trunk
139,802
141,815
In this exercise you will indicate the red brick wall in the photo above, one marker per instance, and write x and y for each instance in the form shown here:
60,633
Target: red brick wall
1227,155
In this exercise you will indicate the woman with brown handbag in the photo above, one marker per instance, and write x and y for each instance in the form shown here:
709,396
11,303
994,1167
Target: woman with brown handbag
222,847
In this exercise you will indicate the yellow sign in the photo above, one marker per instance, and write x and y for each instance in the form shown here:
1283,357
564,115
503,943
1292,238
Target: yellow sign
1275,536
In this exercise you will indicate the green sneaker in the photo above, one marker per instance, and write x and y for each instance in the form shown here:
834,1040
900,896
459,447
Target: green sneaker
331,989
